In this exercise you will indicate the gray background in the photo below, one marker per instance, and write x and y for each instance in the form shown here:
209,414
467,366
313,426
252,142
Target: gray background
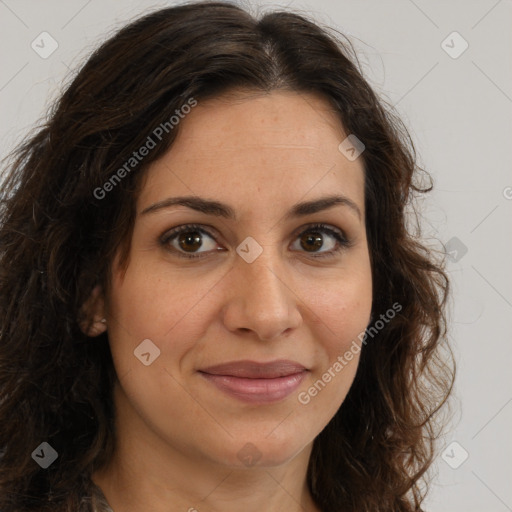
458,111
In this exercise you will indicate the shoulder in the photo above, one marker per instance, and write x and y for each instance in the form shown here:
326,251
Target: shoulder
98,500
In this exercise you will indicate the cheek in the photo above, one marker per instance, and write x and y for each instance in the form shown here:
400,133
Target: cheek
341,307
154,321
346,320
152,302
340,313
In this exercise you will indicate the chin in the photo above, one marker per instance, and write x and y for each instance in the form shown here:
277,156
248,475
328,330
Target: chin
260,451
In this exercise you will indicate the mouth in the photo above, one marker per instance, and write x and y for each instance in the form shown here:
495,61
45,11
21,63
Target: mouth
255,382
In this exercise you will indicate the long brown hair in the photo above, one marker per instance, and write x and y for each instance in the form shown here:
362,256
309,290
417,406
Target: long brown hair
58,238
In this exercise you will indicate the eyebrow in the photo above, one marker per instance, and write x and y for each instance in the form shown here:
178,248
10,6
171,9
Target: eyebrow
219,209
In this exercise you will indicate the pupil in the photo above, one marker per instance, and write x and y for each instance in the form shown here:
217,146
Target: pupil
316,240
191,240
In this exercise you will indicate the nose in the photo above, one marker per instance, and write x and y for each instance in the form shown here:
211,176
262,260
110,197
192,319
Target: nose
260,298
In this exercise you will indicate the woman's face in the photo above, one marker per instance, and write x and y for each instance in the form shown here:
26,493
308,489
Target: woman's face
266,286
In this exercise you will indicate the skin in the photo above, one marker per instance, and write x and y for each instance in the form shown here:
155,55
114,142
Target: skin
177,435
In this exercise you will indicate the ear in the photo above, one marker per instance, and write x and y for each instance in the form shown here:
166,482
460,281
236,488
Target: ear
92,320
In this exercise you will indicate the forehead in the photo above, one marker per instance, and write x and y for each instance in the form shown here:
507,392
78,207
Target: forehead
279,116
280,144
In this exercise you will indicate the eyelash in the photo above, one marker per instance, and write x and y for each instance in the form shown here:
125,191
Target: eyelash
343,243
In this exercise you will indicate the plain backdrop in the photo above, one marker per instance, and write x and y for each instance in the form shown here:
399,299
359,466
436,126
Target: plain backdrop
454,92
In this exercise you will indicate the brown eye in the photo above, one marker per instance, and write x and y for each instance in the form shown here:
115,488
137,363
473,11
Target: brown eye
321,236
186,241
311,242
190,240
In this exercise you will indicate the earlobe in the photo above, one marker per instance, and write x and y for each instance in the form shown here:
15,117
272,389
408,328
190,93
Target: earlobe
92,320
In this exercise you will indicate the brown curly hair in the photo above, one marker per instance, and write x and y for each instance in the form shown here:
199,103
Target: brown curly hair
57,241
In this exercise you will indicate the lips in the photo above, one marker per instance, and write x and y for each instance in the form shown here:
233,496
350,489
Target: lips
255,370
256,383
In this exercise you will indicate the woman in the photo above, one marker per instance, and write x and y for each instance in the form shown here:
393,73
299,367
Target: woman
210,297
